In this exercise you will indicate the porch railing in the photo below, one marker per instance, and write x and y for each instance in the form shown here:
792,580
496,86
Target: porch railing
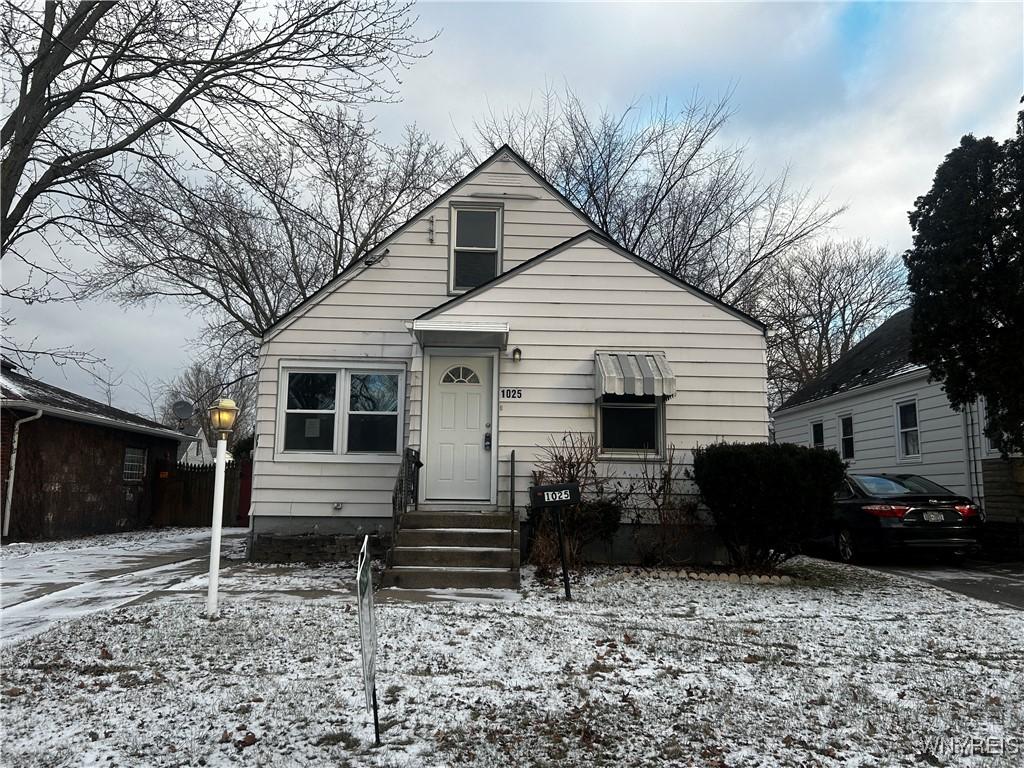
512,514
406,492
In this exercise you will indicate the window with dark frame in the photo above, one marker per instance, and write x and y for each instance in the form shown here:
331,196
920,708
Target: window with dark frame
476,240
630,423
818,435
906,424
134,465
373,413
310,411
846,436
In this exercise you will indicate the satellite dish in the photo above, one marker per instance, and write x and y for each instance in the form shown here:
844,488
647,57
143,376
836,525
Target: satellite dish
183,410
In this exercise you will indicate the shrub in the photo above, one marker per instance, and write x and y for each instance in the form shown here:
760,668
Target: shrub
573,458
663,506
766,499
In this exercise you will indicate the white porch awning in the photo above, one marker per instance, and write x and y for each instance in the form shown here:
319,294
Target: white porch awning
633,373
459,332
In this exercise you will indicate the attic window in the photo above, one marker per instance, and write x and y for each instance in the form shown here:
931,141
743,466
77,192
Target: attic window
476,249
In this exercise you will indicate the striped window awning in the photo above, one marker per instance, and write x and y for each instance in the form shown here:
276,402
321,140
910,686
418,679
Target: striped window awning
633,373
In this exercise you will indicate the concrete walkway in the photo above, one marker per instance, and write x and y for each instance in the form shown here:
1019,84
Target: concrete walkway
39,588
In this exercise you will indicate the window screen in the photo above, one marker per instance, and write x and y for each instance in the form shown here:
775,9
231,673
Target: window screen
475,255
310,413
910,439
818,435
629,423
846,431
373,412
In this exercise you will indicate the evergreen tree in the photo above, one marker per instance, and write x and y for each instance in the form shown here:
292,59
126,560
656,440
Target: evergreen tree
966,279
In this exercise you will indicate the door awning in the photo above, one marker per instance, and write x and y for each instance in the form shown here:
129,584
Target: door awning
633,373
459,332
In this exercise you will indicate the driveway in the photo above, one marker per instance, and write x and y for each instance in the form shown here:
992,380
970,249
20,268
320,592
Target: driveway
46,583
999,583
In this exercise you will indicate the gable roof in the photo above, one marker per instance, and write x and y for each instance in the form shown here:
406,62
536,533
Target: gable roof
882,354
611,245
20,391
504,148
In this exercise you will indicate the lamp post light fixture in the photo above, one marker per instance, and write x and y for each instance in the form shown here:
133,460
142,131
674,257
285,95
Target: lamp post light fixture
222,418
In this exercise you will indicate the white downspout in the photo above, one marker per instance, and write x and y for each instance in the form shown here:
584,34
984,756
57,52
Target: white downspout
10,472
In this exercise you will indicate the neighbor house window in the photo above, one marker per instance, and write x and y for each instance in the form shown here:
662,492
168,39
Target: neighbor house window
906,425
134,465
373,412
846,436
630,423
817,435
341,410
310,411
476,239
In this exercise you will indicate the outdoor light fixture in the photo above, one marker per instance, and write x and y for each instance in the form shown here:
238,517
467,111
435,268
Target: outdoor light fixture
222,418
517,355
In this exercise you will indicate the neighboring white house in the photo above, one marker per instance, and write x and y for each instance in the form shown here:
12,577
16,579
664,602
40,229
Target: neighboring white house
494,319
882,414
197,451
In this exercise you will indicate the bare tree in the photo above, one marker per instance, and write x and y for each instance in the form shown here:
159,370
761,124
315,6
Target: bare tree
820,302
202,383
96,87
661,184
273,225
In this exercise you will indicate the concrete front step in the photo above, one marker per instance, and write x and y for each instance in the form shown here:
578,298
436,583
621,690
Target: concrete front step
457,537
482,520
416,577
457,557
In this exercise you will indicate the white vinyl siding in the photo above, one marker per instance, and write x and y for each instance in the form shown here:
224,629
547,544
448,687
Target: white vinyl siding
940,429
363,319
587,298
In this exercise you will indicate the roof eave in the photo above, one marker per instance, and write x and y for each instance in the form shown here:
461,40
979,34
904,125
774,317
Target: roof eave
89,418
896,378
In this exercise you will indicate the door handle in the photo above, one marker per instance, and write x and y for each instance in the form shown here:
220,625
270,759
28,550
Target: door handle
487,441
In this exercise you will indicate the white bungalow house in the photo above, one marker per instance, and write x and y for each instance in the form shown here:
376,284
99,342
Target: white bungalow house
495,318
882,414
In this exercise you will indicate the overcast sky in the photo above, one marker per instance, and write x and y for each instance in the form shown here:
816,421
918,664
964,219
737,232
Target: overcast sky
860,101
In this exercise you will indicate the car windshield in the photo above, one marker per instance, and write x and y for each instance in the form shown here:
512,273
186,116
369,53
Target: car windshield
888,485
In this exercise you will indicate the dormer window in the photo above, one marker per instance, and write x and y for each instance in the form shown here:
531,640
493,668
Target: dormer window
476,246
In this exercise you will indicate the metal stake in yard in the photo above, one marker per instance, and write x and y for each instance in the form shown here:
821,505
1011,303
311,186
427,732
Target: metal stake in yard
561,554
222,419
553,498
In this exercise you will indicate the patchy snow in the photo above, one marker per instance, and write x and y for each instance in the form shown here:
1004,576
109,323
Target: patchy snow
847,667
148,540
51,582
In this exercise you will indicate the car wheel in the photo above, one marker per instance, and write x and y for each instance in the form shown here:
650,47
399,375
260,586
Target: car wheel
844,546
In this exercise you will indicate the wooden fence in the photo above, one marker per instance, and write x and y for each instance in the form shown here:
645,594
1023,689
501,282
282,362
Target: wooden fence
184,494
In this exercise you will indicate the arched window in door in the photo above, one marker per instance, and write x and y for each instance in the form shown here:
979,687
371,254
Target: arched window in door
460,374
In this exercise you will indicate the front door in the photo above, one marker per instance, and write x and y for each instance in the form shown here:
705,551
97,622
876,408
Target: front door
458,457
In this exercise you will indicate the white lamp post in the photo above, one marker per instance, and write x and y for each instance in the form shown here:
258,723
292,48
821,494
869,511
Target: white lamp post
222,419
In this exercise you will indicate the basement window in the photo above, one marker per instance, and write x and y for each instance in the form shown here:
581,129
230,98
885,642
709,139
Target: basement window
476,247
134,465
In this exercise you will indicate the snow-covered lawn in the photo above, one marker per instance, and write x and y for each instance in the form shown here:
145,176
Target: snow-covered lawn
845,667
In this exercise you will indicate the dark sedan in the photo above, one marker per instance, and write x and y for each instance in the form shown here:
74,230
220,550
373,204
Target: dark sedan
880,513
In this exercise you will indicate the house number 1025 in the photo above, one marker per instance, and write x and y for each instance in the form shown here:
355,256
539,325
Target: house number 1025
556,495
511,394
